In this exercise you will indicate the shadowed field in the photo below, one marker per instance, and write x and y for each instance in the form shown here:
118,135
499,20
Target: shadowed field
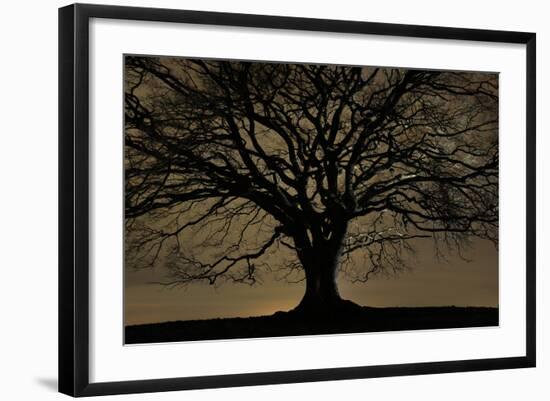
354,319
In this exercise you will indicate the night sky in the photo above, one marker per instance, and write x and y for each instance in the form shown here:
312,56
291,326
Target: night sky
431,282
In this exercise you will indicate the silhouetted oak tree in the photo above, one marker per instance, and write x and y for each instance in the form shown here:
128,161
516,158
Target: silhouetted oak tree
322,168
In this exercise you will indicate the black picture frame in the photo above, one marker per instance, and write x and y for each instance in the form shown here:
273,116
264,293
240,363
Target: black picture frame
74,198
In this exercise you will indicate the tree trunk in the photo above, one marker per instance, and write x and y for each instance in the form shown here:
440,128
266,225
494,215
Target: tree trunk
321,292
321,264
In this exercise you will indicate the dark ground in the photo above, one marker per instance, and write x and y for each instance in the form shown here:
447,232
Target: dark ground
357,320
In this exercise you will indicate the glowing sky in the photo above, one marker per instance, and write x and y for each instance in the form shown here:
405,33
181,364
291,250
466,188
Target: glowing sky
432,282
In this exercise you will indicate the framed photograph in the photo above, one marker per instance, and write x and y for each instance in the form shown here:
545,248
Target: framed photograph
251,199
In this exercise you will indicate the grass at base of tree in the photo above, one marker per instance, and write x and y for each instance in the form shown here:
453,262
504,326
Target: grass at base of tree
356,320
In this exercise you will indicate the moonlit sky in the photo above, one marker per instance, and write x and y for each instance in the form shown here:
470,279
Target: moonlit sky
431,282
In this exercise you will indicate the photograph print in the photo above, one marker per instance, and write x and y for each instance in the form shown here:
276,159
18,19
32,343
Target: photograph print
267,199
